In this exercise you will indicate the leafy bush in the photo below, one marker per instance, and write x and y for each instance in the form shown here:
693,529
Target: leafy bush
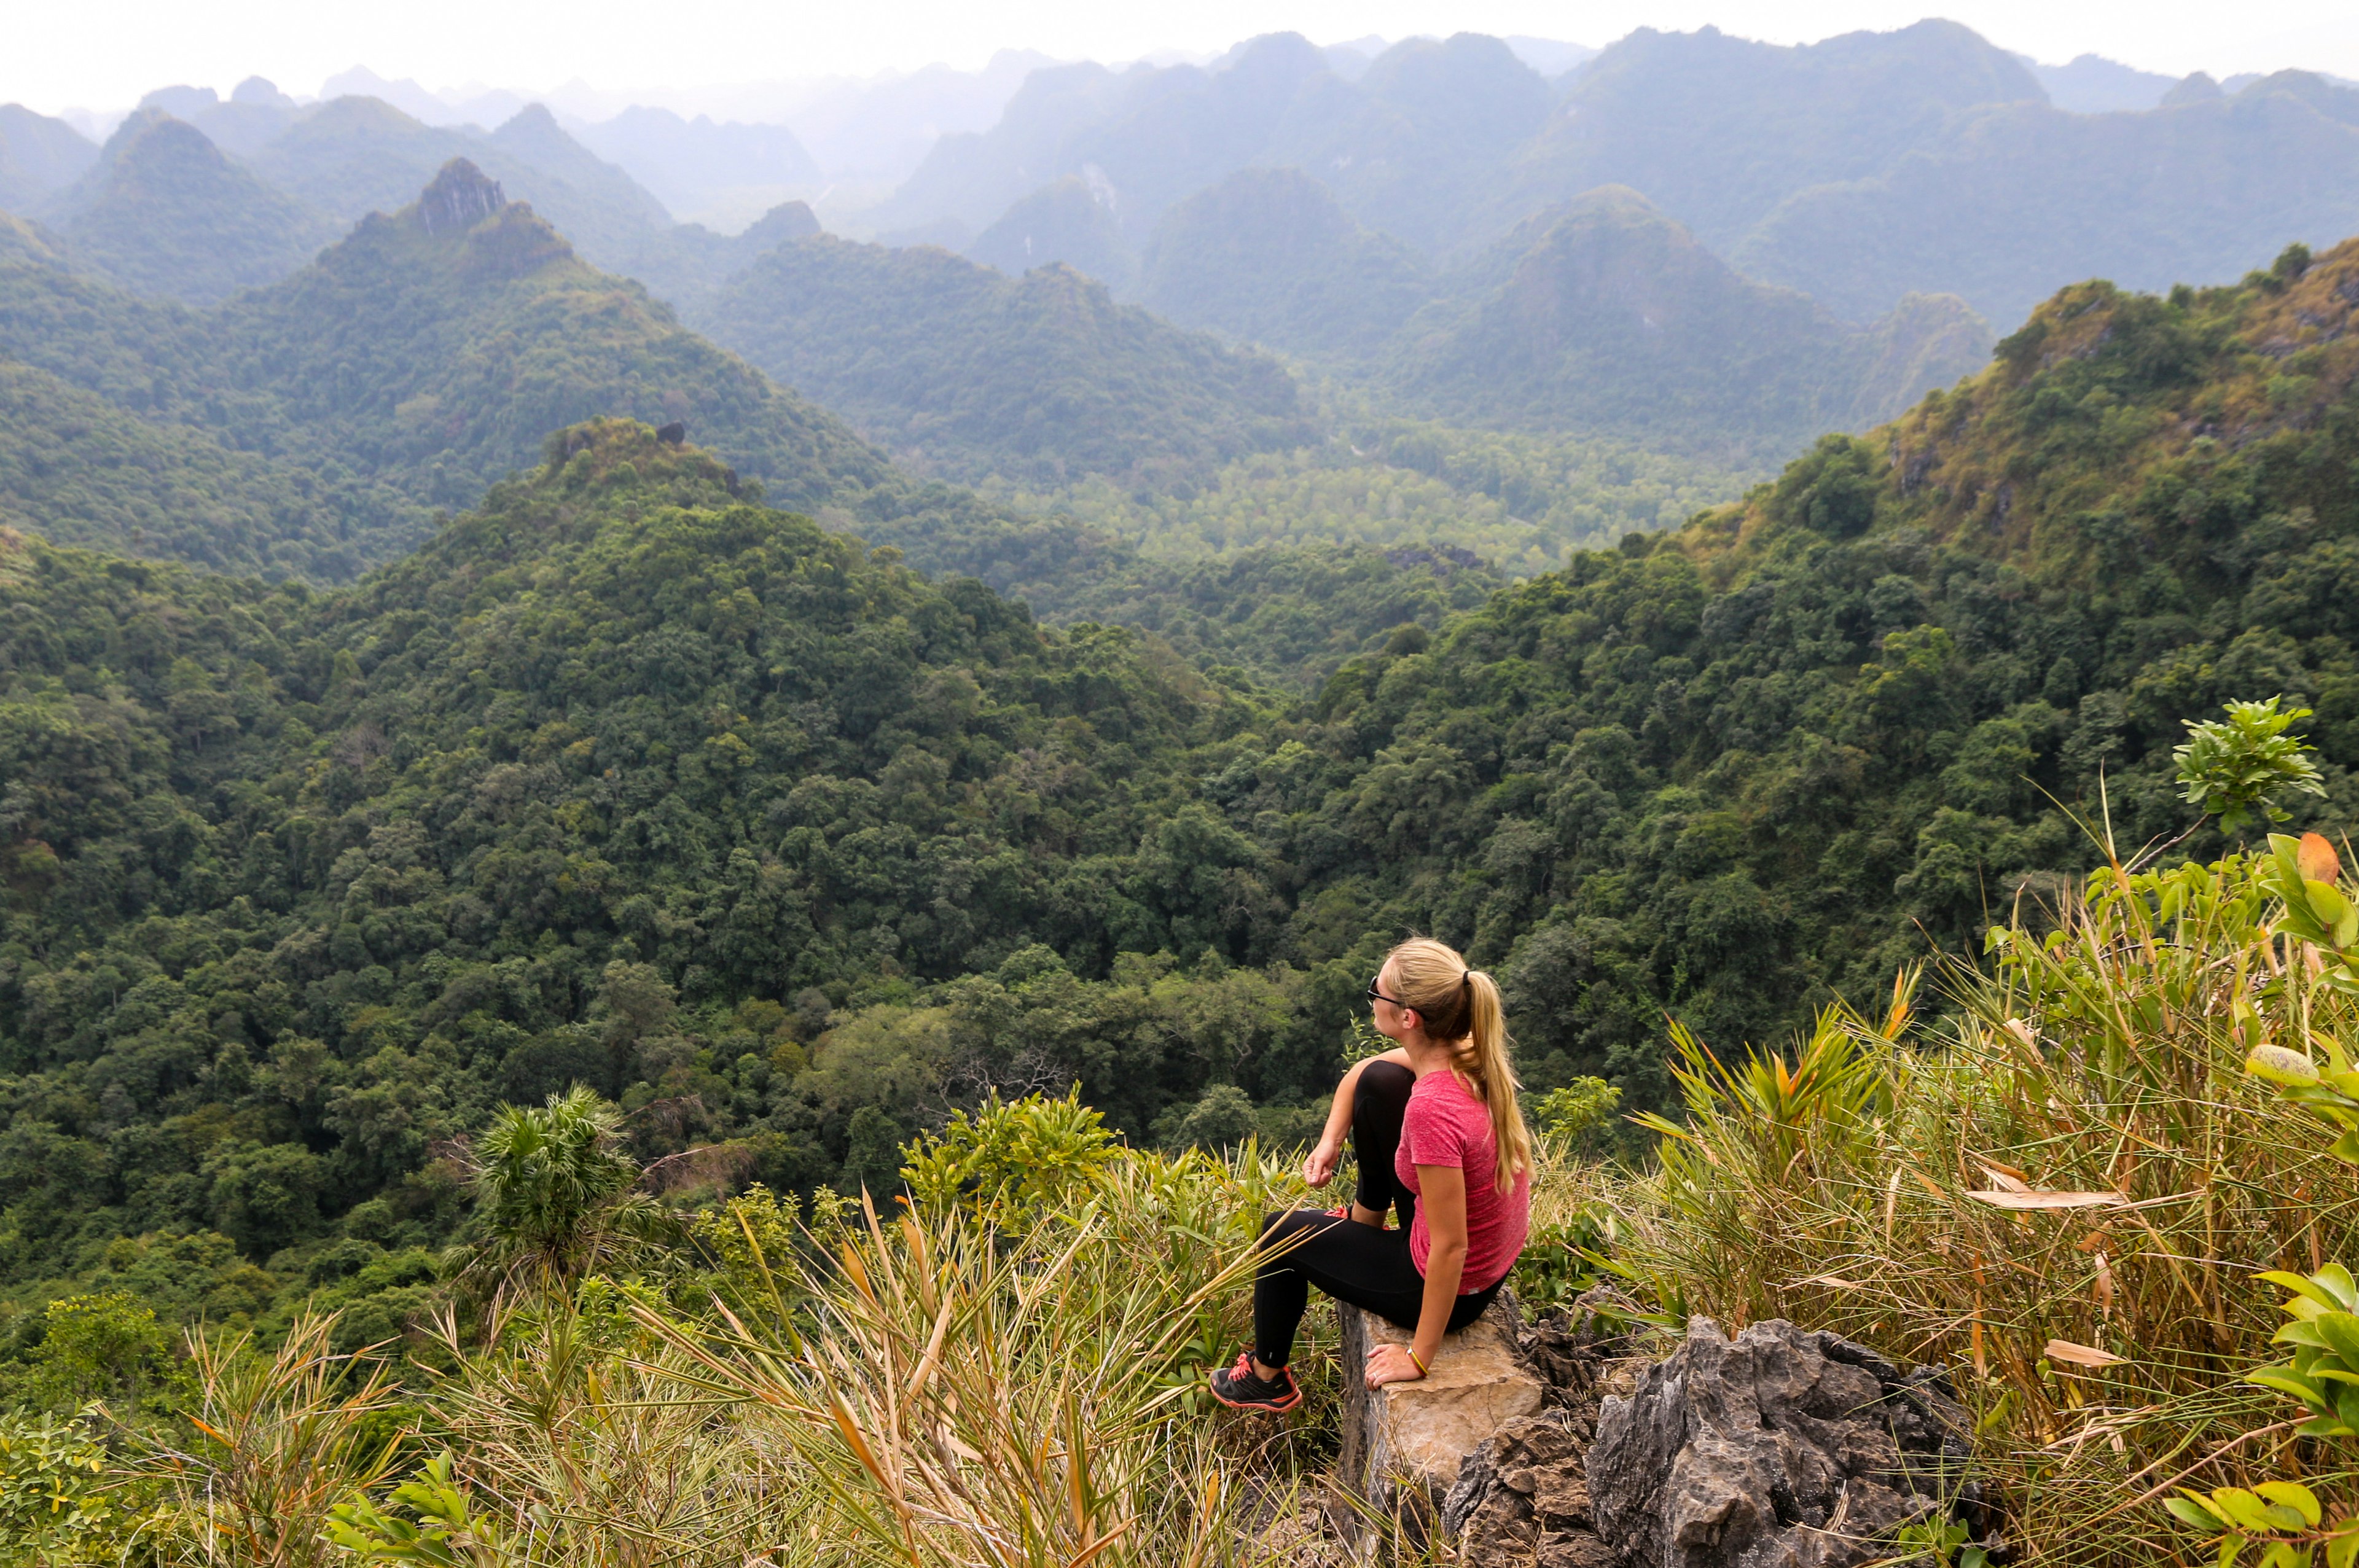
1008,1162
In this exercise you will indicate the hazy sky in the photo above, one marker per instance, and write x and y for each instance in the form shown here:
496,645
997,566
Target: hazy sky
104,54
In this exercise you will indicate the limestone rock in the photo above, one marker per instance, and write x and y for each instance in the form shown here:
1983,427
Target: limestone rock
1402,1443
460,197
1776,1449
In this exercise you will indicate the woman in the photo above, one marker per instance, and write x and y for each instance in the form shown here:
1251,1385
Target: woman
1438,1136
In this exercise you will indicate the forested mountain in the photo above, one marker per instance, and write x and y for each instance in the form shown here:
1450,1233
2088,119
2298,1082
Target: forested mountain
1399,145
417,361
963,371
1610,318
1717,130
1268,254
1601,315
695,166
246,190
2018,199
1860,170
164,213
80,470
1061,223
37,155
623,779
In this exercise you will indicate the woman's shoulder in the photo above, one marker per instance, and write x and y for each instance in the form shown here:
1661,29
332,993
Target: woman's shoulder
1445,1094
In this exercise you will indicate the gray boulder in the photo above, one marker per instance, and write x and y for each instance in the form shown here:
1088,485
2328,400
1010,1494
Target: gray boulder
1776,1449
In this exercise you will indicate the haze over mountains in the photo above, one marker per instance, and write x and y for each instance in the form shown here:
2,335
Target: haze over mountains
1685,247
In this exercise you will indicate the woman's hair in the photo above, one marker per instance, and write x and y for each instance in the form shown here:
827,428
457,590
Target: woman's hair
1459,1006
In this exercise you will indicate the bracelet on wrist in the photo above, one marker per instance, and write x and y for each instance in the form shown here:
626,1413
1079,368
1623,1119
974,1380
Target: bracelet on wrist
1413,1360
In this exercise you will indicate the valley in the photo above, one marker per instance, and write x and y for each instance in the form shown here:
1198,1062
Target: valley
1821,569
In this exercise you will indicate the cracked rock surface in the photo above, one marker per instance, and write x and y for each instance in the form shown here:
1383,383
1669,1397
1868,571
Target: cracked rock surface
1776,1449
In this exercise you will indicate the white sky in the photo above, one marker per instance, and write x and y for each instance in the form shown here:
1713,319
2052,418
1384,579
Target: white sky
103,54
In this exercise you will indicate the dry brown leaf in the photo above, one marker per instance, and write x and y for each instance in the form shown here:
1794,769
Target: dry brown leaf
2034,1200
2004,1178
2316,858
2080,1354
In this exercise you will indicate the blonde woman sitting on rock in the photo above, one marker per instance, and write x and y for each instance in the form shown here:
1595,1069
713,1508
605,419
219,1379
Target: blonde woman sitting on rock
1438,1138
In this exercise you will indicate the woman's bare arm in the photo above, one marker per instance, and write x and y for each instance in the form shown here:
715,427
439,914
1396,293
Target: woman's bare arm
1442,1199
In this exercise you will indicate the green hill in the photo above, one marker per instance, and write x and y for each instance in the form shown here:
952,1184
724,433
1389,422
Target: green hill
421,359
960,371
1059,222
1609,318
2023,198
37,155
352,156
1270,254
1717,130
164,213
1413,145
82,471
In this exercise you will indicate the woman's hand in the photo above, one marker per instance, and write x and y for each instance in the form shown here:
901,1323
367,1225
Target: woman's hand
1319,1165
1391,1364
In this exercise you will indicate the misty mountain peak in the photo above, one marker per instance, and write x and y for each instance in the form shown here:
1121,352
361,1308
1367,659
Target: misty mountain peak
460,196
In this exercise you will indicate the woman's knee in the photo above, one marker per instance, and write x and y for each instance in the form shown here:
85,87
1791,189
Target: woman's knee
1383,1095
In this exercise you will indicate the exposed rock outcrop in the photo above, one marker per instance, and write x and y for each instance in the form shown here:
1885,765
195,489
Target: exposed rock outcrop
1522,1498
1776,1449
460,196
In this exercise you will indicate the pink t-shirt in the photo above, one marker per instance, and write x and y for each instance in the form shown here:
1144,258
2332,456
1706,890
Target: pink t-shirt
1446,1125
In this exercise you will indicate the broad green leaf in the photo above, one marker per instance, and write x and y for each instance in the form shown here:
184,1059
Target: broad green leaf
2281,1065
2342,1546
2295,1496
2244,1509
2340,1332
2190,1508
2288,1381
2319,1289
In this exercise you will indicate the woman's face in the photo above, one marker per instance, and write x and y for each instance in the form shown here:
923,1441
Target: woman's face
1392,1023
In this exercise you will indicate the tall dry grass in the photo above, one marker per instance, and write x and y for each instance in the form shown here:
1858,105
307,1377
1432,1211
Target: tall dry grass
2064,1191
949,1384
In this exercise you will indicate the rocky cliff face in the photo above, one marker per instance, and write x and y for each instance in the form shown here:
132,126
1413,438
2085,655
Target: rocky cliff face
460,196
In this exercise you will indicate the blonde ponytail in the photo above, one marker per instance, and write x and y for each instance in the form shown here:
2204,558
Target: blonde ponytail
1460,1007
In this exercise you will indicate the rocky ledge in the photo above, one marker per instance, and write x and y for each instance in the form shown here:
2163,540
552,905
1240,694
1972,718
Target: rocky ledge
1560,1444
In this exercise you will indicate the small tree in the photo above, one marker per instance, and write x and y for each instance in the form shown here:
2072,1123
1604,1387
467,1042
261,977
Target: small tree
2239,768
556,1192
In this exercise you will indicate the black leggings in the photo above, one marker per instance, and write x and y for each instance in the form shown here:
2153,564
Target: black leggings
1351,1262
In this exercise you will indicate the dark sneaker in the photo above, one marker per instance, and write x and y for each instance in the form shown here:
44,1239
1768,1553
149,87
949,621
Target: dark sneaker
1241,1388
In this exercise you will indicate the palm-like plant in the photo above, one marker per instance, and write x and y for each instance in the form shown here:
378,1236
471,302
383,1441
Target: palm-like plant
556,1195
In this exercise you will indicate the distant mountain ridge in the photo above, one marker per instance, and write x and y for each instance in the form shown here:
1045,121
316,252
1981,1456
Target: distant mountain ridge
1041,378
1835,167
164,211
1609,317
414,363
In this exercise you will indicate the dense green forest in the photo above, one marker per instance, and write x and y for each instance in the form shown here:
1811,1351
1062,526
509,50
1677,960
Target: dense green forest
1041,379
417,361
1609,318
82,471
625,779
164,214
